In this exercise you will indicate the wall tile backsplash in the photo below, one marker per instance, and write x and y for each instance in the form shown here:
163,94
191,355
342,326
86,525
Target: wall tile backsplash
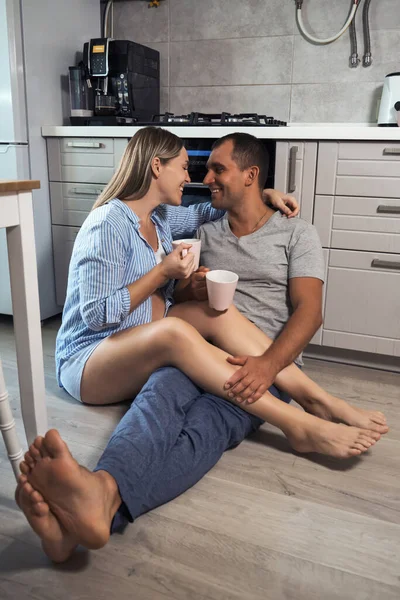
249,56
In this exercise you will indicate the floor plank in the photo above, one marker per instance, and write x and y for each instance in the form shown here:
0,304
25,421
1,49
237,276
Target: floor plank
264,523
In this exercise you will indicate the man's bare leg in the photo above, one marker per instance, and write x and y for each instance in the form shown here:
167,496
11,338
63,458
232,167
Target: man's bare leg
65,504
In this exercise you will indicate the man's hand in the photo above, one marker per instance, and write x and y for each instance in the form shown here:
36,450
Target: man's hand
251,381
283,202
198,286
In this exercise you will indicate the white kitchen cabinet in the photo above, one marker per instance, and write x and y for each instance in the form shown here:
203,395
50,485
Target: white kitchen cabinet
295,169
363,302
357,215
79,169
84,160
72,202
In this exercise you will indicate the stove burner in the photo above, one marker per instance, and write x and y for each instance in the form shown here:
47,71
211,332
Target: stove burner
221,119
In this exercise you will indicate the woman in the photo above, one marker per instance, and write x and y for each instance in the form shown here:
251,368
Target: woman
120,287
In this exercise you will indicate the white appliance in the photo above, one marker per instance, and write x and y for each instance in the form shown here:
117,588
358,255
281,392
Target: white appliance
38,42
389,110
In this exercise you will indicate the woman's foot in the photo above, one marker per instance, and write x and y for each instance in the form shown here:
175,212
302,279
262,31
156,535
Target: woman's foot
331,408
311,434
80,504
57,543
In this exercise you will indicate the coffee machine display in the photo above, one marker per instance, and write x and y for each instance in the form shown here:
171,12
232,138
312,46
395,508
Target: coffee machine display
125,81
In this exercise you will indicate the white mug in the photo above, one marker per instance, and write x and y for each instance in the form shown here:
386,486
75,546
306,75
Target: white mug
221,286
195,249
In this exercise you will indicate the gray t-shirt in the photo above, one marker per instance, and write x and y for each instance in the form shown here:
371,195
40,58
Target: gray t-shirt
265,261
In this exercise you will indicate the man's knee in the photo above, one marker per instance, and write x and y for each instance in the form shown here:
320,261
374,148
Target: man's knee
171,380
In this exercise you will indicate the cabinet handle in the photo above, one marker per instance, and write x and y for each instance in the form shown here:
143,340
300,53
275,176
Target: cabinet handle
389,151
195,185
386,264
384,208
84,144
86,192
292,168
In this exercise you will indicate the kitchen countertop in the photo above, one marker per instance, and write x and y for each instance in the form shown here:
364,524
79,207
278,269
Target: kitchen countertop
294,131
15,185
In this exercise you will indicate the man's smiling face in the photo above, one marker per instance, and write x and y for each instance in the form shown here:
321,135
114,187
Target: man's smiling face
224,178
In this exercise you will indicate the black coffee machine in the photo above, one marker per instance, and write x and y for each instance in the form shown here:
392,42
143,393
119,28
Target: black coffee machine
123,78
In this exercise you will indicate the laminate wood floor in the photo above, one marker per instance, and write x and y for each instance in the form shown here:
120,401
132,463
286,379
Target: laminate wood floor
264,523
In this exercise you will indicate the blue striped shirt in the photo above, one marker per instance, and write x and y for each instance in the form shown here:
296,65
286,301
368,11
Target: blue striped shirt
110,253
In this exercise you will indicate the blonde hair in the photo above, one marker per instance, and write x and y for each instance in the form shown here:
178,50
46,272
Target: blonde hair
134,174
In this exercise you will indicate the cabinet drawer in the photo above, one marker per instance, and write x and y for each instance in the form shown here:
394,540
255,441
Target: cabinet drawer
84,160
359,169
96,146
63,243
370,224
362,294
71,203
379,151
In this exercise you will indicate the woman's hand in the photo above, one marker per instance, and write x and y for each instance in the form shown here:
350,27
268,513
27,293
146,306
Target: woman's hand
286,204
179,264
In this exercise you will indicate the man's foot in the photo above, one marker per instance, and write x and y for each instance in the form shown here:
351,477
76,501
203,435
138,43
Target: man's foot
81,504
331,408
57,543
311,434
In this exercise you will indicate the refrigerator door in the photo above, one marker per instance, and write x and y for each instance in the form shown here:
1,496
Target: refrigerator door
14,164
13,126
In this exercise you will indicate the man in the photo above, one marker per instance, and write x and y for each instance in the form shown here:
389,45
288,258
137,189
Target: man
173,434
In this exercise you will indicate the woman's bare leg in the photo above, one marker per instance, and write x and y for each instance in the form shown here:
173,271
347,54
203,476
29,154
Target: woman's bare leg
235,334
121,364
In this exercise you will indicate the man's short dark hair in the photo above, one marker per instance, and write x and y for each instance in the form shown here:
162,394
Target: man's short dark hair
248,151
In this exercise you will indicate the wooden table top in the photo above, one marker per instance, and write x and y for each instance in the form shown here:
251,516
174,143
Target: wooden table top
17,185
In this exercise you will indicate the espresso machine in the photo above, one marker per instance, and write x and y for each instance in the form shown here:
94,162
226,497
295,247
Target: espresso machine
122,80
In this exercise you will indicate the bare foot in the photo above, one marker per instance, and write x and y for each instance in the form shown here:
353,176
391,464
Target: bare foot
331,408
57,543
81,504
312,434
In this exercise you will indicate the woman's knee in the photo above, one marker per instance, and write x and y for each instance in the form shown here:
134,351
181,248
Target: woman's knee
175,331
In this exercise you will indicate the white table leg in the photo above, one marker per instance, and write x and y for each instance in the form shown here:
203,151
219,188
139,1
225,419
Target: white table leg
27,328
7,426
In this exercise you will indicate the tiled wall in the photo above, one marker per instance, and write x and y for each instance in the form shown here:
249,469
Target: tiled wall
248,56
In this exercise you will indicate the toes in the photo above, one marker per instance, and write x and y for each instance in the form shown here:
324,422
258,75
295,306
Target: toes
40,509
354,452
54,444
379,418
36,497
40,446
22,479
374,435
29,460
27,488
34,453
24,468
361,446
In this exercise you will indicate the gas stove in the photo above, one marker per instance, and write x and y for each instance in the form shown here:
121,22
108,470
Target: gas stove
219,119
193,119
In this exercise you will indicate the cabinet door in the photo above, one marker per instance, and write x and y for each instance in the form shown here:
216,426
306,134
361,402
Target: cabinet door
295,168
362,305
63,243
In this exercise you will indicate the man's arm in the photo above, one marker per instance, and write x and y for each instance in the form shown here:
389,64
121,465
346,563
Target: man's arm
306,299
